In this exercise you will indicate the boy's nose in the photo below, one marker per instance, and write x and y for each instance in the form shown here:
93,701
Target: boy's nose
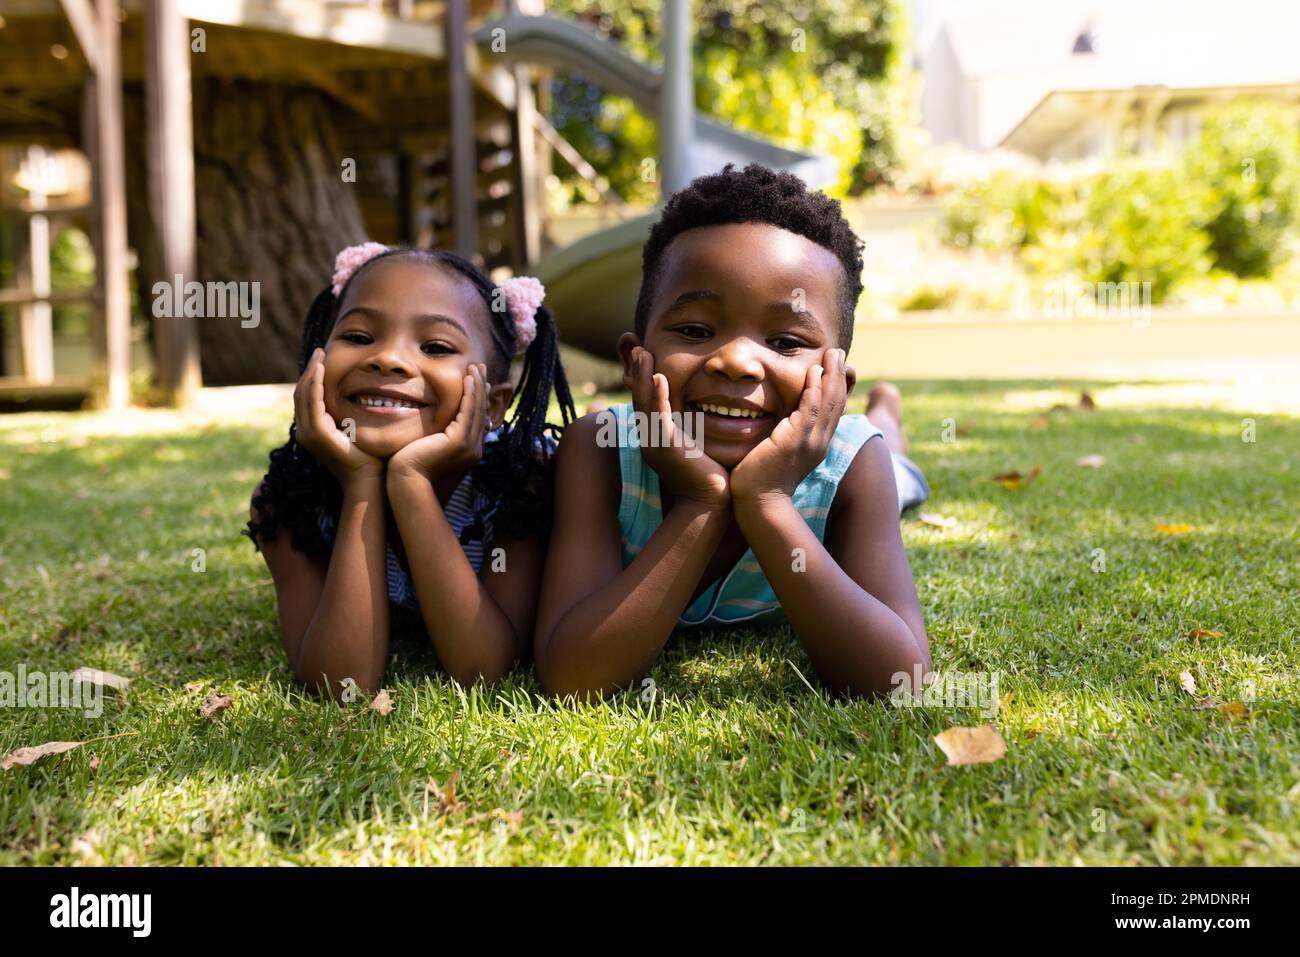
737,358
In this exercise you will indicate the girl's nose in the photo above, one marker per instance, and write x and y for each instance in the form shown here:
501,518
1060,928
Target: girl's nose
388,359
737,358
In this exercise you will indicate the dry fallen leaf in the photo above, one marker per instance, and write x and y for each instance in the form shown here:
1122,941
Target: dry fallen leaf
1177,529
5,474
513,820
106,679
1233,710
94,761
446,797
25,756
1188,682
1090,461
382,702
1207,704
1041,422
937,520
214,705
193,686
1204,633
1086,402
971,745
1014,480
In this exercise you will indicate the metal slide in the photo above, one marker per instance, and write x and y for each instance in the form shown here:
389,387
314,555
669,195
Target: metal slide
591,285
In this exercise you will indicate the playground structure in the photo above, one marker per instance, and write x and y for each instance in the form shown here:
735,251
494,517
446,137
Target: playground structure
437,96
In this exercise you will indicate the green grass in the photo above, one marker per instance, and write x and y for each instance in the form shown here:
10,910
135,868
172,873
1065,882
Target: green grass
1108,759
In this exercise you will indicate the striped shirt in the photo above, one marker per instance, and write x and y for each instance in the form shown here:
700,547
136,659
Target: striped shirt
743,594
460,509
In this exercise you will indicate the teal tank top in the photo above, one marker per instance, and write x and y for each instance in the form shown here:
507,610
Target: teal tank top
743,594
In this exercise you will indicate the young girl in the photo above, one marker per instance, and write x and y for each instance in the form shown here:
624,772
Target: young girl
779,506
403,495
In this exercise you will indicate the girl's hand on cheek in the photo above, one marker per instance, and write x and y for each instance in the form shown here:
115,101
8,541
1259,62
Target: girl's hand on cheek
680,461
457,448
800,441
317,432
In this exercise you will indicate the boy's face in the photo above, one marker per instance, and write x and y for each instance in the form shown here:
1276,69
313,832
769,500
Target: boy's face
396,359
741,312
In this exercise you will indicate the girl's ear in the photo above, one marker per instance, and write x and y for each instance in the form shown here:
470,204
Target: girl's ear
499,397
626,343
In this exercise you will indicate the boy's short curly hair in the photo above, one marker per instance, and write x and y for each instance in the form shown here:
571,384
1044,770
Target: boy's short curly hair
756,194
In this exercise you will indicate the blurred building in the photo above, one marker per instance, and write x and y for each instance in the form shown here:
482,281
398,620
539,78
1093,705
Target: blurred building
1078,79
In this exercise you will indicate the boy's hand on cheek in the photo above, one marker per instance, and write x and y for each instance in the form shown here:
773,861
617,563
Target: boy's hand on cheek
800,441
679,460
459,446
317,432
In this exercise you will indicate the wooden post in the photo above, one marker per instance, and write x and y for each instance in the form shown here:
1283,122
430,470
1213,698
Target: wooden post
35,319
528,226
112,181
461,152
171,187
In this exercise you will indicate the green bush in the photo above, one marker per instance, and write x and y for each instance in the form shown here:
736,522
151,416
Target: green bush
1246,163
1228,203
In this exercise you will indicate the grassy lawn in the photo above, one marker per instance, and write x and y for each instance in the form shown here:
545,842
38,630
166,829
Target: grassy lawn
738,759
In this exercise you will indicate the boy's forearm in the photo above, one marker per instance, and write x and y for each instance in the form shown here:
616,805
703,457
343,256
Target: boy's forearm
348,635
856,642
614,635
472,635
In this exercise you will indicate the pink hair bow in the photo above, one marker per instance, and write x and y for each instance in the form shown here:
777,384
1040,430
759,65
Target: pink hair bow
523,296
350,260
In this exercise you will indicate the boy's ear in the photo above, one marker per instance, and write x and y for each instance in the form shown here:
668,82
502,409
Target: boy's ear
851,378
499,397
626,343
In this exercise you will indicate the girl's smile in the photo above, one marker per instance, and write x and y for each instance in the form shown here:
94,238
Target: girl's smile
396,360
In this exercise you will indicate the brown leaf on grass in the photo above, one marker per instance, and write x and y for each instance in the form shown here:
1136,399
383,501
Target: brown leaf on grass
1233,710
94,761
1204,633
1014,479
1207,704
1179,528
1188,682
5,474
1040,422
1086,402
105,679
512,820
214,705
22,757
194,686
971,745
936,520
382,702
1090,461
446,797
1059,407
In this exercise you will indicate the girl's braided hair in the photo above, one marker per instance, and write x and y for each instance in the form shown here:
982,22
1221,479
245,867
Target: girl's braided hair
515,471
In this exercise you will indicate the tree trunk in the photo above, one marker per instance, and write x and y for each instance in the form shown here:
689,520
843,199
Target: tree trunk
272,209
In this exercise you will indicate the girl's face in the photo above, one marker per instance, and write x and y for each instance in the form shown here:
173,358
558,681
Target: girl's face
741,312
396,360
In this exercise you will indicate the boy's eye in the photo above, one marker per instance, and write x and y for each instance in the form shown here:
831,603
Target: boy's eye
785,344
694,331
360,338
437,349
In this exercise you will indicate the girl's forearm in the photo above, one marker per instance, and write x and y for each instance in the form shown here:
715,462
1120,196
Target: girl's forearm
348,635
613,636
473,637
856,642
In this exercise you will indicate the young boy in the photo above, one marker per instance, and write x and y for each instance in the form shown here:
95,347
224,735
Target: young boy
782,509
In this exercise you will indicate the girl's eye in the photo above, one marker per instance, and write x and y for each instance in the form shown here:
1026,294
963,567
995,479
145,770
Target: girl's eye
437,349
360,338
785,344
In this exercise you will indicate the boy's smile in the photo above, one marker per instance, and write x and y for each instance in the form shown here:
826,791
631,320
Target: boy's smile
396,359
740,312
